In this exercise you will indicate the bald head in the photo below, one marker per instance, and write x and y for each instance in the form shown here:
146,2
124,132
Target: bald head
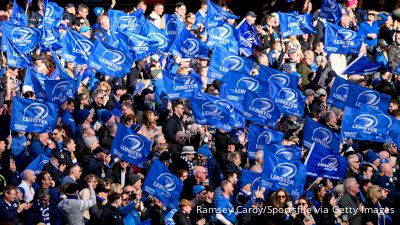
29,176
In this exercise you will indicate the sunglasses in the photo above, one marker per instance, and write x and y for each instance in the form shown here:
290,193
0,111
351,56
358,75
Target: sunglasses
281,196
125,199
302,203
371,14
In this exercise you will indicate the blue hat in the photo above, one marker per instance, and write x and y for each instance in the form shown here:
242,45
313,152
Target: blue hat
384,160
372,156
204,150
106,115
116,112
82,115
98,11
245,180
197,189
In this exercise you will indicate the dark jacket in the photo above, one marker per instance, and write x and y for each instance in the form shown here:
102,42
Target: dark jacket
187,190
8,213
92,165
111,216
156,215
347,202
116,174
34,215
55,173
181,218
96,212
173,125
369,214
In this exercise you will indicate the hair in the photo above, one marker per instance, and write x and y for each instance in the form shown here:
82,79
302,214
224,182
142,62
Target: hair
127,104
365,167
40,177
179,4
158,4
111,127
113,197
82,7
229,174
224,183
338,190
179,173
114,187
232,156
29,94
209,188
259,155
196,169
176,103
185,202
44,193
347,183
66,141
350,158
146,121
275,201
130,117
104,84
95,93
8,189
371,193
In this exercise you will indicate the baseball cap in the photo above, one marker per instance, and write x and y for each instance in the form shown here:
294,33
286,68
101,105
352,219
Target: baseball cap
321,91
310,92
251,13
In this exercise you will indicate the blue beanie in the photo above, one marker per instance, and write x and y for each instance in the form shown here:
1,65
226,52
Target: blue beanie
82,115
197,189
372,156
106,115
204,150
98,11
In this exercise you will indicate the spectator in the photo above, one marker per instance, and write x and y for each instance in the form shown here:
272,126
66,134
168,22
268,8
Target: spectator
26,184
350,202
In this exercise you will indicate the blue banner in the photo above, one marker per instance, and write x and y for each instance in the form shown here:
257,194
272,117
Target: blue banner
182,86
290,101
187,45
315,132
36,81
216,16
76,48
296,25
237,84
339,91
163,185
33,116
18,15
267,74
287,152
122,22
110,61
248,38
140,46
130,146
16,58
223,61
250,177
58,91
331,11
152,32
53,14
225,36
37,165
259,136
361,95
282,173
25,38
341,40
258,108
172,26
323,162
208,113
363,66
51,40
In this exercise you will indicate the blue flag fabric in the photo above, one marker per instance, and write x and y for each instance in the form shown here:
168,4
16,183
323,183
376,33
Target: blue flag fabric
341,40
130,146
248,38
187,45
331,11
18,15
182,86
76,48
338,94
295,25
237,84
37,165
287,152
282,173
290,101
363,66
316,132
53,14
216,16
250,177
361,95
36,81
259,109
163,185
33,116
152,32
267,74
25,38
58,91
223,61
16,58
109,60
323,162
208,113
259,136
51,40
225,36
122,22
140,46
172,27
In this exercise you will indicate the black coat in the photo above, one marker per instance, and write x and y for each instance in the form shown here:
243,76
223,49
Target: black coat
156,215
180,218
111,216
173,125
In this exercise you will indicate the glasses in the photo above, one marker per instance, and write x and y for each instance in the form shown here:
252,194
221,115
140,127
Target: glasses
356,162
123,161
102,97
371,14
125,199
302,203
104,90
281,196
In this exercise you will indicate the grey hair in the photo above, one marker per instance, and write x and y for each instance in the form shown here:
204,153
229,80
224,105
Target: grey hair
232,156
347,183
259,155
350,157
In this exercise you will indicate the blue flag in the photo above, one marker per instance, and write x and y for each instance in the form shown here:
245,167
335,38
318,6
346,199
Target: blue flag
109,60
287,152
250,177
282,173
152,32
216,16
259,136
16,58
140,46
33,116
58,91
208,113
290,101
182,86
361,95
295,25
187,45
130,146
248,38
315,132
331,11
172,27
122,22
259,109
51,40
25,38
338,94
36,81
267,74
163,185
37,165
341,40
225,36
363,66
76,48
237,84
18,15
223,61
323,162
53,14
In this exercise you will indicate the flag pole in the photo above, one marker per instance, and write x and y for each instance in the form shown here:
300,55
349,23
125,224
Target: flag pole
309,153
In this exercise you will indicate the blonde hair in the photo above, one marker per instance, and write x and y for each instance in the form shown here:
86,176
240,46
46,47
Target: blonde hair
371,193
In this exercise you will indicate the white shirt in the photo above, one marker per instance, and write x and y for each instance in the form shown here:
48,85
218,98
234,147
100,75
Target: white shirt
156,19
29,191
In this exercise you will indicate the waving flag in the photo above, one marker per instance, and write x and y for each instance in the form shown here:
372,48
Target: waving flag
209,113
187,45
225,36
290,101
315,132
259,109
53,14
338,94
182,86
76,48
223,61
323,162
287,152
248,38
259,136
16,58
331,11
141,46
341,40
268,74
109,60
172,27
37,165
163,185
216,16
238,83
250,177
282,173
18,15
35,80
363,66
33,116
130,146
58,91
152,32
361,95
51,40
295,25
24,38
122,22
